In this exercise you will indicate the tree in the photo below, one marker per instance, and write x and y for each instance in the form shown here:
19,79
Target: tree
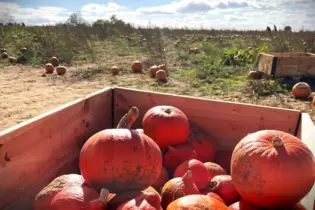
287,28
75,19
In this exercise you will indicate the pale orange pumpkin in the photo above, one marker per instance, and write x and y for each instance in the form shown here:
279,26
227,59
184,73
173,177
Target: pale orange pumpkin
54,61
161,75
152,71
301,90
115,70
49,68
254,75
61,70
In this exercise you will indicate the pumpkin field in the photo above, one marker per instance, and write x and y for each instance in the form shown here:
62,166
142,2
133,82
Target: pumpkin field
204,63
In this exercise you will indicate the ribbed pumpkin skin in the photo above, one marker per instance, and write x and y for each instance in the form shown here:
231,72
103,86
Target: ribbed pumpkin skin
272,176
120,159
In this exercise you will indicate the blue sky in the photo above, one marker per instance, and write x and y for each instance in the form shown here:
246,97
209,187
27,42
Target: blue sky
221,14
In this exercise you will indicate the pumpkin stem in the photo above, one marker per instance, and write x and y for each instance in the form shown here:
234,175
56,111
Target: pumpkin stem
128,119
213,185
101,202
187,176
277,141
168,111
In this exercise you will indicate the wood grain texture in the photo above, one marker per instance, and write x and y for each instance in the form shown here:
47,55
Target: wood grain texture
226,122
265,63
36,151
306,133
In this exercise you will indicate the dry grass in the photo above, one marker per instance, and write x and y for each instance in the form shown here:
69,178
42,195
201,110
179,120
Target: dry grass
26,93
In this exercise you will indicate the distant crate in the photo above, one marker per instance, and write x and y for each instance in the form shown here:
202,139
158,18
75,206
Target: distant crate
287,64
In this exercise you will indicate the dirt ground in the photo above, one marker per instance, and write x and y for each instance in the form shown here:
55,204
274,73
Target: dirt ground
26,93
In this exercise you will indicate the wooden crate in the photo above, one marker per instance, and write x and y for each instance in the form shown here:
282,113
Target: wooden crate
38,150
287,64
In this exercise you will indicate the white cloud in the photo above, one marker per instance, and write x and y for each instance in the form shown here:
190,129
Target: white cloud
239,14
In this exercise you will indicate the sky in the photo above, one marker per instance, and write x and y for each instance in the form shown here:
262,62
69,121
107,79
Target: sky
216,14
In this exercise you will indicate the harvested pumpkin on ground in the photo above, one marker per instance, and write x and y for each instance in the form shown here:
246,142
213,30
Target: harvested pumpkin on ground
152,71
272,169
120,159
255,75
49,68
166,125
115,70
136,67
301,90
161,75
61,70
163,67
4,55
54,61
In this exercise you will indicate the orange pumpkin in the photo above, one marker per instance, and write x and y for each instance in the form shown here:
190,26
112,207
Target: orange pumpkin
74,198
105,158
54,61
178,187
148,199
136,66
199,171
49,68
254,75
272,169
45,196
161,75
163,67
161,180
214,195
61,70
301,90
214,169
115,70
177,155
153,70
166,125
191,202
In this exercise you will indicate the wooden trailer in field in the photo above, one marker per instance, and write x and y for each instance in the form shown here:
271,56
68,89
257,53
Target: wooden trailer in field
287,64
36,151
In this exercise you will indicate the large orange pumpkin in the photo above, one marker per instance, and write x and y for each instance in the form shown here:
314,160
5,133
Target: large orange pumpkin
61,70
45,196
166,125
301,90
152,71
161,75
178,154
194,202
272,169
120,159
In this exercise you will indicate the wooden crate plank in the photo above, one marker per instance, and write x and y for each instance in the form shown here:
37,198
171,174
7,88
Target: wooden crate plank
288,54
306,133
293,70
47,146
265,63
296,61
227,122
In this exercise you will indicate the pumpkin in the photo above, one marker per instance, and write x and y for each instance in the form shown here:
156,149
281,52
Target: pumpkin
61,70
49,68
192,202
199,171
54,61
301,90
272,169
166,125
202,144
2,50
161,180
255,75
115,70
224,187
214,195
161,75
163,67
152,70
177,155
122,197
178,187
223,158
136,67
4,55
23,50
214,169
242,205
105,159
148,199
45,196
74,198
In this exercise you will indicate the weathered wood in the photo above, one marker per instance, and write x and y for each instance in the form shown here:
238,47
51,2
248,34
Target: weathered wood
306,133
226,122
287,64
38,150
265,63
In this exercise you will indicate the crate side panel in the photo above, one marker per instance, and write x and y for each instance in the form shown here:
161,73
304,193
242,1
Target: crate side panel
227,122
265,63
306,133
41,149
294,70
288,54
